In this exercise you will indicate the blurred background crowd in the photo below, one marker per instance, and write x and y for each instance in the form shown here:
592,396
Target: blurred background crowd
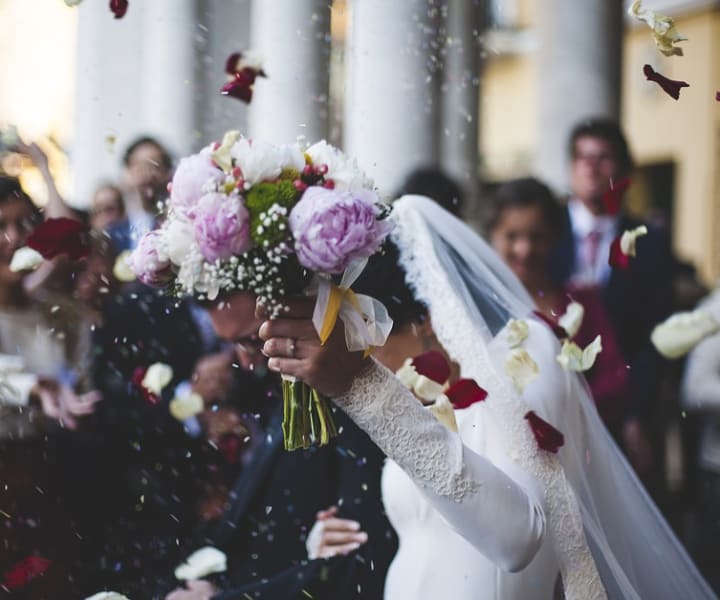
515,115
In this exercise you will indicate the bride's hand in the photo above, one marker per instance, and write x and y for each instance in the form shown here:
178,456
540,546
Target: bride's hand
331,535
294,349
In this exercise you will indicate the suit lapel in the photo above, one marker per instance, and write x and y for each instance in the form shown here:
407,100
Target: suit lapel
253,475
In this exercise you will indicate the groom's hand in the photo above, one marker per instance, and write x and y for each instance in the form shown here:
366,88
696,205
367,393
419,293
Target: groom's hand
331,535
293,347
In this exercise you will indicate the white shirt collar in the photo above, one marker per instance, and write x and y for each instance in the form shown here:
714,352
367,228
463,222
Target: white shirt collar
583,221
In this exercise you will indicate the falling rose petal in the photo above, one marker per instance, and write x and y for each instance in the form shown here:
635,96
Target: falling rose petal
573,358
157,376
443,411
629,238
59,236
559,332
612,198
222,155
433,365
521,368
121,269
107,596
618,259
681,332
110,141
547,437
23,572
464,393
572,319
670,86
230,446
72,2
663,29
202,562
717,96
119,8
25,259
185,407
137,379
516,331
241,85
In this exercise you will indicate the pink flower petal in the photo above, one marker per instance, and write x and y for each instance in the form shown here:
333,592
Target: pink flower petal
670,86
548,438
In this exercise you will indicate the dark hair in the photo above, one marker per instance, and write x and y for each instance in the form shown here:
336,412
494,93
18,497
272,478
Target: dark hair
521,193
605,129
383,278
436,184
10,188
167,160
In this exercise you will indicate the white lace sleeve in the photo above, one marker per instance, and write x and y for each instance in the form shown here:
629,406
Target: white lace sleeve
502,519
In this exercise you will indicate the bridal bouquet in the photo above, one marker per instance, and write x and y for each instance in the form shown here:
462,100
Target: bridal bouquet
245,215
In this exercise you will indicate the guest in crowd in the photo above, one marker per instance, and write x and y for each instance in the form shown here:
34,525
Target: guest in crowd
436,184
107,207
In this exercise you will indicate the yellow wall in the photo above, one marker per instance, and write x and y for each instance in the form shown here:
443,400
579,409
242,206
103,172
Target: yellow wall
659,128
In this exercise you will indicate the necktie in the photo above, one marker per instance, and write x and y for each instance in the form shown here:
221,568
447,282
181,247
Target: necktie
592,246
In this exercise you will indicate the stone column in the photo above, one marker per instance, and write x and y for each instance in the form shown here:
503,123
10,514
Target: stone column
390,105
293,38
579,64
459,131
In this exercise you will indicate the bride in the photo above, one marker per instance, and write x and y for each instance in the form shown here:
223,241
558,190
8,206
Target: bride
490,511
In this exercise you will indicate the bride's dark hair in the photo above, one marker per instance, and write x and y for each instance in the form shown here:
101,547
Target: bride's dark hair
384,279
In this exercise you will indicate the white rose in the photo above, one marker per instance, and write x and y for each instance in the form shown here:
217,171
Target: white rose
343,171
521,368
572,319
25,259
258,161
201,563
178,236
516,332
573,358
157,377
681,332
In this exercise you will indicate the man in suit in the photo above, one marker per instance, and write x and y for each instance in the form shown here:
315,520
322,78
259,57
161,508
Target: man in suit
636,298
275,501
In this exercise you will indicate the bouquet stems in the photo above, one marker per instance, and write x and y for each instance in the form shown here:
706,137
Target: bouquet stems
307,418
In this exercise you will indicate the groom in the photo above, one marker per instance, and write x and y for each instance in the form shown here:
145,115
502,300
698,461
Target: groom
275,501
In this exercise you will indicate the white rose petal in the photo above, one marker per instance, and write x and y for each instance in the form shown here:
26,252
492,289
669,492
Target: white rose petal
121,269
629,238
25,259
407,374
573,358
516,332
107,596
201,563
157,377
572,319
444,412
184,407
663,28
426,389
178,237
521,368
222,156
681,332
250,59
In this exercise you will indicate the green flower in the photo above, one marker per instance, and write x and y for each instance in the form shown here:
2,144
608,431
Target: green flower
269,205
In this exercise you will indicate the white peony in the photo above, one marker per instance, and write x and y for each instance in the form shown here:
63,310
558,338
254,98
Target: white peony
258,160
572,319
201,563
25,259
681,332
573,358
344,172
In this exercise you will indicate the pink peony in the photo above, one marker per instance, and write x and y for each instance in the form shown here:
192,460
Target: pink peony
333,228
149,262
194,177
222,226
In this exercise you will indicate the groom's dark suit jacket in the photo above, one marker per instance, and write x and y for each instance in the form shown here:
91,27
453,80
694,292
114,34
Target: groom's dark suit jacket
636,300
273,506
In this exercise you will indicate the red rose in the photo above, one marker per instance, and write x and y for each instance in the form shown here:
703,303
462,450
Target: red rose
54,237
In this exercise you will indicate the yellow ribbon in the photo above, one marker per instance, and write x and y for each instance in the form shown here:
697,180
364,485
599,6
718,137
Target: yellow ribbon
335,300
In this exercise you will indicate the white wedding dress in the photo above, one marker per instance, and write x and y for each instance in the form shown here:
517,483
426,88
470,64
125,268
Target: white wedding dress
484,513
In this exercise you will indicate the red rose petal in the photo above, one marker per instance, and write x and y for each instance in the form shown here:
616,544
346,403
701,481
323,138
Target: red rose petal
717,96
119,8
548,438
137,379
670,86
23,572
230,446
618,259
465,392
231,63
54,237
433,365
612,199
559,332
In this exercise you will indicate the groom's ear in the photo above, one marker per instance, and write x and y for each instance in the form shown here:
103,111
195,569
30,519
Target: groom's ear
424,330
